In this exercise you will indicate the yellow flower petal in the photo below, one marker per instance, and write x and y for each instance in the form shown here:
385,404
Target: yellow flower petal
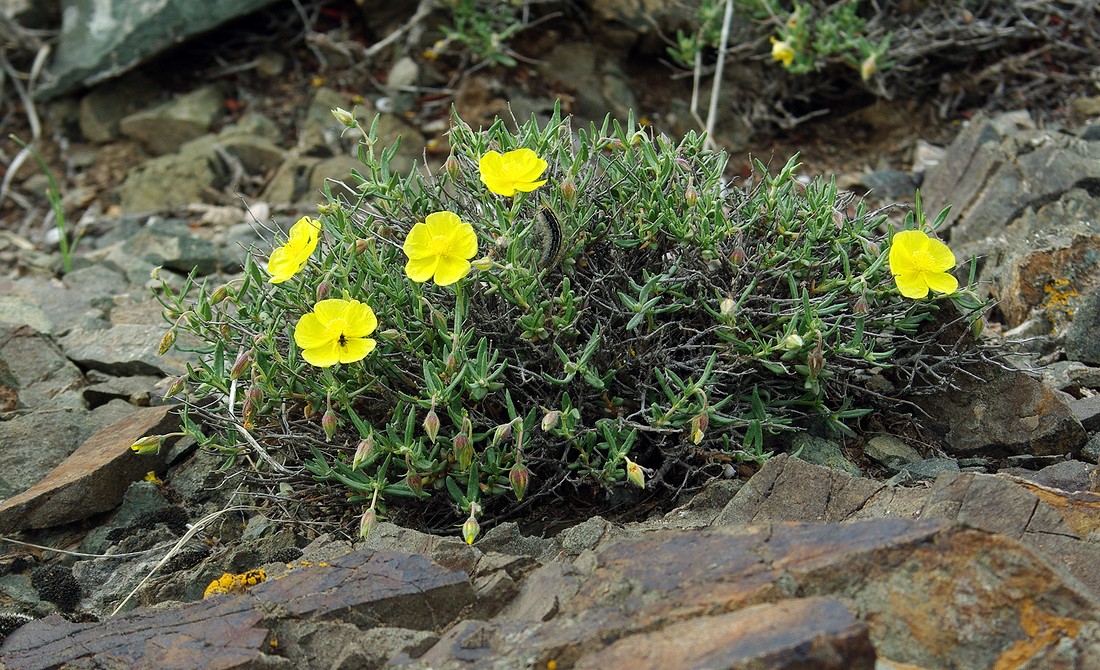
324,356
912,285
941,282
941,255
310,332
287,260
450,270
419,242
421,269
360,320
356,349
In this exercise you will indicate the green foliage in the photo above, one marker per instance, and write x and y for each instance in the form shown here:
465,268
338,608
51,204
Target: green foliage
684,322
818,33
53,196
482,29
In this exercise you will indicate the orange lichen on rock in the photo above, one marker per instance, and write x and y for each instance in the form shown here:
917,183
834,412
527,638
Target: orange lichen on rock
229,583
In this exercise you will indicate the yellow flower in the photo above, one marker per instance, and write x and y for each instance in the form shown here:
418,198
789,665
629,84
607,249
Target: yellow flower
440,247
919,262
868,67
287,260
517,170
782,51
336,332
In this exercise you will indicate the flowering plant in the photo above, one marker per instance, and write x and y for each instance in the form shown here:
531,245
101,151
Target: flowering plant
638,326
287,260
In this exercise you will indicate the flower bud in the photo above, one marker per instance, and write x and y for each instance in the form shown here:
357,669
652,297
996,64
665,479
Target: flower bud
550,420
728,307
737,256
176,386
470,529
568,190
328,424
868,67
860,306
219,294
389,335
362,452
503,432
251,403
792,342
166,342
368,522
464,451
431,425
415,483
361,245
344,117
634,474
323,290
325,208
638,137
691,196
519,476
150,444
815,362
484,263
451,167
240,366
699,424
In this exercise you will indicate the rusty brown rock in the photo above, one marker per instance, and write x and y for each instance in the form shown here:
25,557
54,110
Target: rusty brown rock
805,633
364,588
93,478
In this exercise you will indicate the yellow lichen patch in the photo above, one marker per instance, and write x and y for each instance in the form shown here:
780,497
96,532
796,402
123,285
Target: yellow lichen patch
1060,293
229,583
1043,630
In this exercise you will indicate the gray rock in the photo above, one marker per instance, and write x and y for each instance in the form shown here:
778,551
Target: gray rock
139,391
890,451
142,501
335,174
889,184
1087,411
1091,450
171,244
930,468
100,40
820,451
16,311
123,350
42,378
1069,476
291,183
106,105
1083,336
166,127
258,155
189,173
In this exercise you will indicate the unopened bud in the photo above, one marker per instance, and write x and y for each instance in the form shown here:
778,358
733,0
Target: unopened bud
699,424
550,420
638,137
368,522
389,335
868,67
361,245
568,190
241,365
166,342
219,294
737,256
815,362
792,342
431,425
362,452
323,290
691,196
326,208
634,474
728,307
503,432
328,424
451,167
344,117
860,306
463,450
176,386
519,476
415,483
484,263
470,529
150,444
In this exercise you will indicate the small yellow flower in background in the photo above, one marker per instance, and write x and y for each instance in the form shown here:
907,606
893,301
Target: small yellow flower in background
440,247
336,332
518,170
782,52
287,260
634,474
868,66
919,263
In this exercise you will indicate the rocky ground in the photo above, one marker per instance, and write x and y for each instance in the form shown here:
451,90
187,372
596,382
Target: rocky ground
977,549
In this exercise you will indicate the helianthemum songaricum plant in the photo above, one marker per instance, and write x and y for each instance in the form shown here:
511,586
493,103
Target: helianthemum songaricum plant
555,315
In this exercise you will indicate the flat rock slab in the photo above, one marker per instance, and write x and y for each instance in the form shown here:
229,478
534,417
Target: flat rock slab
93,478
366,587
925,593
